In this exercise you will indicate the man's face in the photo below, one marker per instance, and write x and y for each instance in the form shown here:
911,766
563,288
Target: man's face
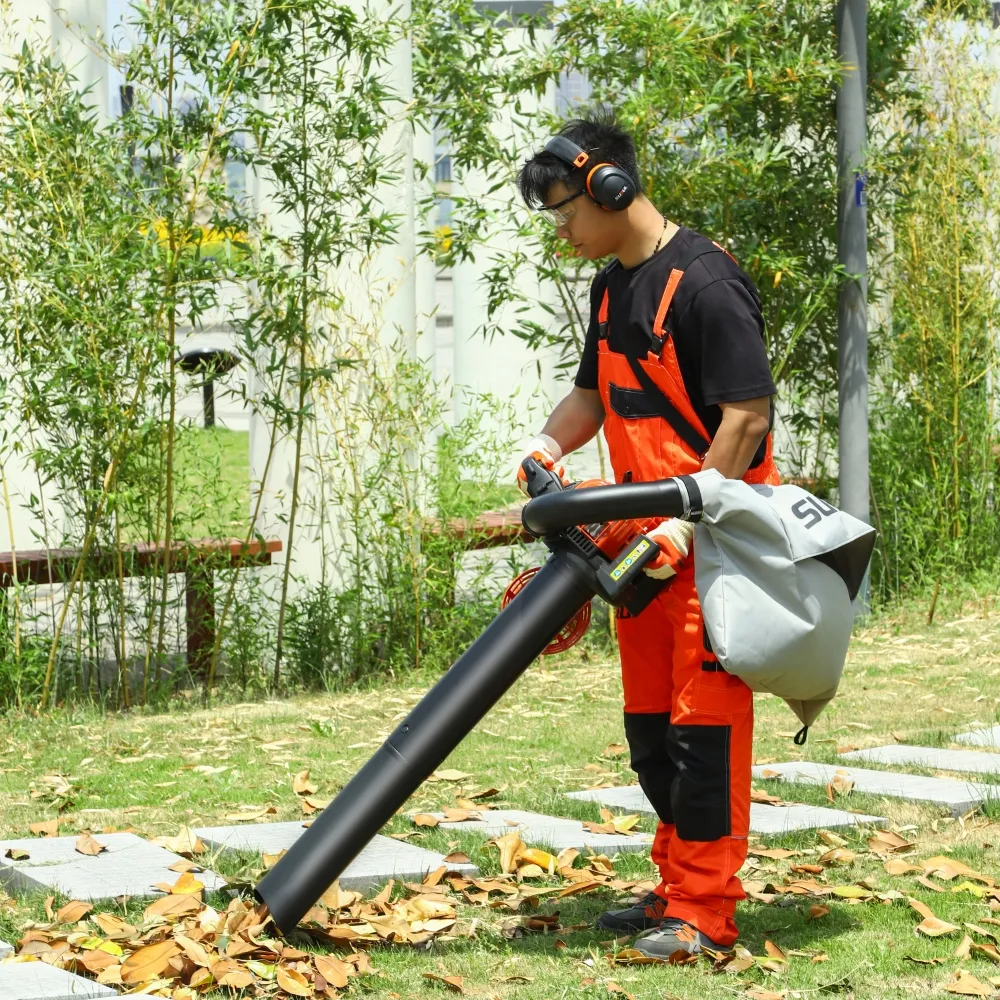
590,229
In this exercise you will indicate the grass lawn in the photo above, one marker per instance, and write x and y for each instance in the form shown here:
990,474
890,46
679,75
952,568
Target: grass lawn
904,682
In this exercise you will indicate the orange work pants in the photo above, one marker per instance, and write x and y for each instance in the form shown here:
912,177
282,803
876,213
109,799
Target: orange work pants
689,726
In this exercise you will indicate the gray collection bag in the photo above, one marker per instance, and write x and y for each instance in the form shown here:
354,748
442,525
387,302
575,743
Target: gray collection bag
776,570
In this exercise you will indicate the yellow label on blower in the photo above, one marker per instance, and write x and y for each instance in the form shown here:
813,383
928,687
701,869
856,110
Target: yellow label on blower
627,562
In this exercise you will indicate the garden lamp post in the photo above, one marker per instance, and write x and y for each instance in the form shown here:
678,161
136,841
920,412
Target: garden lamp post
209,363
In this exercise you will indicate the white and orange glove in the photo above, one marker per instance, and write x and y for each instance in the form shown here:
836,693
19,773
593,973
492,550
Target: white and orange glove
674,539
546,451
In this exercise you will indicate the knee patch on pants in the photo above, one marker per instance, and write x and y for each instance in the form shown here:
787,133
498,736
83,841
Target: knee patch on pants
700,797
647,737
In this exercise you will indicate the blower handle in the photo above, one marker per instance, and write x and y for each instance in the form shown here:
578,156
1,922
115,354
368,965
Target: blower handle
552,512
540,481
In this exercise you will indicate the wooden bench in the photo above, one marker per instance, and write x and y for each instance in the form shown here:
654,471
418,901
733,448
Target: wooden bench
196,559
486,530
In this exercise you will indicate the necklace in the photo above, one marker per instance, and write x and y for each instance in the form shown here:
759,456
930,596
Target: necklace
662,231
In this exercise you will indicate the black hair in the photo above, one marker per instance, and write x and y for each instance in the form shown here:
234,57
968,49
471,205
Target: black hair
599,133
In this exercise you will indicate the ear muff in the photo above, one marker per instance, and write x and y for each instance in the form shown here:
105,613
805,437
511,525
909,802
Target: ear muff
609,185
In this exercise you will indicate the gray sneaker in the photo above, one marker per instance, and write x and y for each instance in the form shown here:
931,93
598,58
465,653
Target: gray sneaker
646,914
672,936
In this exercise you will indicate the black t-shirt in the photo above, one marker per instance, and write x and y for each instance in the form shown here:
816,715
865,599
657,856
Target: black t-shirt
715,323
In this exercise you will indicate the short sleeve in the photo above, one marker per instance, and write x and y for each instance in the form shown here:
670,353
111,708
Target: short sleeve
586,374
727,323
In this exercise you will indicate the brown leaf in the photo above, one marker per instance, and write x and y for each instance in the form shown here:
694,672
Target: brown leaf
774,853
817,911
989,951
614,750
887,842
301,784
186,842
95,960
775,952
87,845
425,819
764,798
73,911
172,906
933,927
50,828
449,774
962,951
923,910
16,854
758,994
293,982
510,846
629,956
331,969
453,983
113,927
831,839
838,856
897,866
968,986
310,804
150,962
457,858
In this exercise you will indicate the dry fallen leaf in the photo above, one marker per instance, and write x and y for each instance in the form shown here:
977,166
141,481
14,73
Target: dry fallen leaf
16,854
510,846
457,858
50,828
831,839
73,911
331,969
933,927
149,962
293,982
773,951
87,845
887,842
817,911
452,982
449,774
967,985
425,819
301,784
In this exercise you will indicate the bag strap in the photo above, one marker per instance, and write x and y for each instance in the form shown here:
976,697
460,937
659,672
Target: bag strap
681,426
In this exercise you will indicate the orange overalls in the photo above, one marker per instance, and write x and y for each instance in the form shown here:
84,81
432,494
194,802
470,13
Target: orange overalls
689,724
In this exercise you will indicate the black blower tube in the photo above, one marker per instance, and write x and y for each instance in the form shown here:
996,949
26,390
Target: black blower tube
453,707
437,724
554,512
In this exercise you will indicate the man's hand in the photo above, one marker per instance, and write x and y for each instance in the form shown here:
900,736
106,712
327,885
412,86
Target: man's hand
674,539
546,451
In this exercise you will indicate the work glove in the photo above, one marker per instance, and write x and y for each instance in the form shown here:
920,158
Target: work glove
674,539
546,451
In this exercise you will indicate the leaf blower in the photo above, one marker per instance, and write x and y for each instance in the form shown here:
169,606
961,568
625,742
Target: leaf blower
593,552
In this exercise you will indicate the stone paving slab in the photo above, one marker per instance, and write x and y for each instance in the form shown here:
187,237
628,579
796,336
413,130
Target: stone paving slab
958,796
39,981
130,866
980,737
382,859
938,758
547,831
5,949
764,819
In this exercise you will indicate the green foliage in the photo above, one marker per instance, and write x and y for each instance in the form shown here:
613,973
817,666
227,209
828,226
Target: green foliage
936,429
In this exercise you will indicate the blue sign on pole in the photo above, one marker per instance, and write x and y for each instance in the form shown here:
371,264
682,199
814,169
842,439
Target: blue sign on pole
860,194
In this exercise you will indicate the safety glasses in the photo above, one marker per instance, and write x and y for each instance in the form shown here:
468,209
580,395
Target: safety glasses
554,214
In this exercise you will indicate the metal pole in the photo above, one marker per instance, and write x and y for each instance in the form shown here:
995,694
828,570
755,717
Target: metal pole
852,246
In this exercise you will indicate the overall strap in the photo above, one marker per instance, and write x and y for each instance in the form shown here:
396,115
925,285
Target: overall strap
682,427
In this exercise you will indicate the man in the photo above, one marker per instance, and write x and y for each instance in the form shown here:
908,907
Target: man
676,373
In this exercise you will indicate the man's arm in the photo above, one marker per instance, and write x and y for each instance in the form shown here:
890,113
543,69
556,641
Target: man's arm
744,425
577,418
